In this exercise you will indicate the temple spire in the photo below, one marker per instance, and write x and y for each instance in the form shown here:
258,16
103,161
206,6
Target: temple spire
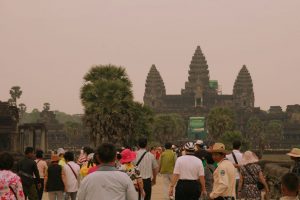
198,73
154,88
243,93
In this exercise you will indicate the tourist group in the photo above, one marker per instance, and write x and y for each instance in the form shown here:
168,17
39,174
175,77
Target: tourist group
192,171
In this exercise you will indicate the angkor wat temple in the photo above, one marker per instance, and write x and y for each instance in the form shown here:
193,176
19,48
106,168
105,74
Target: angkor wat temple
201,94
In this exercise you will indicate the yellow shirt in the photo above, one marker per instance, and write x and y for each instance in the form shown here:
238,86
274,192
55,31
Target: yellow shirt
84,171
62,162
224,180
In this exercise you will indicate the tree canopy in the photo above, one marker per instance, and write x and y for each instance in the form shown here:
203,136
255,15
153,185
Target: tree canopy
220,120
168,128
110,112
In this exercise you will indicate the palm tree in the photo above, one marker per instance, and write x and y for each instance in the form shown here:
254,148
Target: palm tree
46,107
15,93
106,96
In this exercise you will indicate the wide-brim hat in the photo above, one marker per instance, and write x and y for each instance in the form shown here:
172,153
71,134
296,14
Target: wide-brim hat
55,158
295,152
249,157
127,156
219,148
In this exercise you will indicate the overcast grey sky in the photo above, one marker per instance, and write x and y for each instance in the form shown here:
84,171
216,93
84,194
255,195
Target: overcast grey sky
47,46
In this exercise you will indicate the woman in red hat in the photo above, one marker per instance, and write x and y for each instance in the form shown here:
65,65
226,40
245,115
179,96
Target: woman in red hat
127,166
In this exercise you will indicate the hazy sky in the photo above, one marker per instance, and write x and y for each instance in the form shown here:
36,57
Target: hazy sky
47,46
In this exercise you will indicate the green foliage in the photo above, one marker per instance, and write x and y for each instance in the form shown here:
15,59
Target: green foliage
168,128
110,112
142,122
35,116
219,121
46,107
255,133
261,134
274,129
32,117
255,128
66,118
15,93
230,136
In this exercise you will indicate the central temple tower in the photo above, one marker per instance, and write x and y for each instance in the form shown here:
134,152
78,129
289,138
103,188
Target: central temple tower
198,80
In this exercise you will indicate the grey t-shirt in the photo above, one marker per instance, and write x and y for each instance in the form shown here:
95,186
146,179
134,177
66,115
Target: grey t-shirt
112,185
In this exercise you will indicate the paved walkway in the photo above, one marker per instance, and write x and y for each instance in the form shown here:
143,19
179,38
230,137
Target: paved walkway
157,193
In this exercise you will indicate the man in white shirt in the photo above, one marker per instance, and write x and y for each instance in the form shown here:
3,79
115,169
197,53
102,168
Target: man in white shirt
148,167
188,174
72,171
107,182
235,158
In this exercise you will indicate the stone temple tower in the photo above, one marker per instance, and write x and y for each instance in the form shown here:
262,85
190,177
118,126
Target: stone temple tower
198,81
243,94
155,89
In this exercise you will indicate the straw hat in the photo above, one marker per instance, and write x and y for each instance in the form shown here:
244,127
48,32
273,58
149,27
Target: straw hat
127,156
295,152
219,148
249,157
55,158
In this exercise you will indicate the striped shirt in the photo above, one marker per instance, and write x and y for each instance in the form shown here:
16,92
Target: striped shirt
147,165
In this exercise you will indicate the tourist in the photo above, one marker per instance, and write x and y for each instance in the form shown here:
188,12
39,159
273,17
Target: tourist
42,167
55,179
148,166
61,152
187,176
295,156
166,167
290,187
158,153
26,168
224,175
107,182
203,155
10,183
84,153
96,164
235,158
132,171
72,171
200,152
251,178
153,151
87,165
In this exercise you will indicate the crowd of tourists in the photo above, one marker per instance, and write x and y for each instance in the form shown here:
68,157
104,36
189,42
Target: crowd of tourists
191,172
